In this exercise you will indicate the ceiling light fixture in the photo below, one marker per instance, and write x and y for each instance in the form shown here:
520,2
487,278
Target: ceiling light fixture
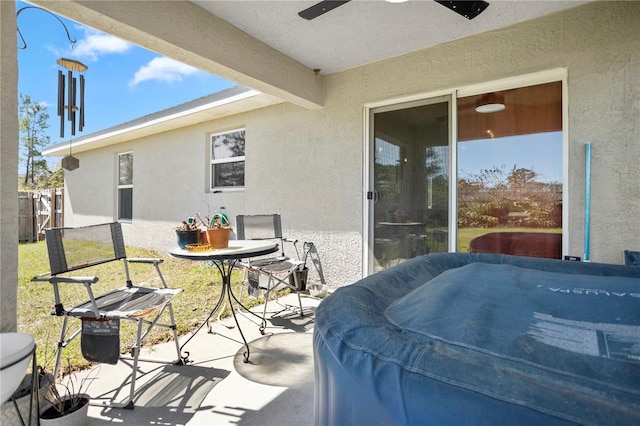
490,102
396,1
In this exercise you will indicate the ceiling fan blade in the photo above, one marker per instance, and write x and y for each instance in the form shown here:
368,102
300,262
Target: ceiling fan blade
321,8
468,9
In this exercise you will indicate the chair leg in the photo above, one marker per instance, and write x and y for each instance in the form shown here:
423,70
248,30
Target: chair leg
271,287
266,298
300,303
272,284
134,373
135,353
135,356
61,344
175,334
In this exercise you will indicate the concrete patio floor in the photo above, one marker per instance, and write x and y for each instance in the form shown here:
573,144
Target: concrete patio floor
215,387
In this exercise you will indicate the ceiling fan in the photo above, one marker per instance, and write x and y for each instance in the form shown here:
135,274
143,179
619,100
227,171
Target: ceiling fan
468,9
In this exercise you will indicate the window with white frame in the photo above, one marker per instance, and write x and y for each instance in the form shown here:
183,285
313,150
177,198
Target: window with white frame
125,186
227,160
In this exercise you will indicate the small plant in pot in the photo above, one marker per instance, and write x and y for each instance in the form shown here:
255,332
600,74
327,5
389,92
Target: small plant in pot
197,233
218,231
188,233
65,406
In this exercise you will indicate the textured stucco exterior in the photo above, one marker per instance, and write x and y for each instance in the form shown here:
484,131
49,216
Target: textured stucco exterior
599,45
309,164
8,167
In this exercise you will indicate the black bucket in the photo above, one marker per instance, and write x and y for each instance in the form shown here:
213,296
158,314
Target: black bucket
299,279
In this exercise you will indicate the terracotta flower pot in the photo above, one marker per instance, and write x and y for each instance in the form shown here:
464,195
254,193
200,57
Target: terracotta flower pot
218,237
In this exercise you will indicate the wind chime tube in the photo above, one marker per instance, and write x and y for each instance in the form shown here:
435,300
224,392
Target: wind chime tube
60,95
61,90
587,203
70,79
72,106
81,126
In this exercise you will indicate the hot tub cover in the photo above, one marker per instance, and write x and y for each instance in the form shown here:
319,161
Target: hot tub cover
482,339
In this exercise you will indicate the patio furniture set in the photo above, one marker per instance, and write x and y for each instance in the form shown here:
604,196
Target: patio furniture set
445,338
73,249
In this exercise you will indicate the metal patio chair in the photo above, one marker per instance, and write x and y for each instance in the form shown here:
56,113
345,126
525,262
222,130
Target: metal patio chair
271,273
148,306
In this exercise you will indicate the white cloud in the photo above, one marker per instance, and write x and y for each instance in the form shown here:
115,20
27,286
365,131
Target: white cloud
96,43
162,69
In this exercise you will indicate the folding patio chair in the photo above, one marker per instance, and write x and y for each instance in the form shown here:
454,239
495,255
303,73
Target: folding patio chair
73,249
276,272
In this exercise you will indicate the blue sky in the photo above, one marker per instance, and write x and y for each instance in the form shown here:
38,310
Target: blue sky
540,152
123,81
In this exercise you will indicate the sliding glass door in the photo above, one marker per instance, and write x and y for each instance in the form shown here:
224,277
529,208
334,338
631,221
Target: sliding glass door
410,181
510,171
497,188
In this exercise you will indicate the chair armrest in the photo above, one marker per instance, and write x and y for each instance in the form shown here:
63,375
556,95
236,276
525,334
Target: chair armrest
145,260
55,280
77,280
148,261
40,278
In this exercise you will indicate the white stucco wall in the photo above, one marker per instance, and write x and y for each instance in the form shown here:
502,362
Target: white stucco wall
9,167
308,164
599,44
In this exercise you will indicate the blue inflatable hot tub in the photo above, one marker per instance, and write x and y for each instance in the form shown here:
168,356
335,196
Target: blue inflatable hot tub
481,339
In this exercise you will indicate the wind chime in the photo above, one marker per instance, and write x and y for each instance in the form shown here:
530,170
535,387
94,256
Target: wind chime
70,105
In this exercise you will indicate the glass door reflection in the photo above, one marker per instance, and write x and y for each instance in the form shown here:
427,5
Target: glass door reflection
411,181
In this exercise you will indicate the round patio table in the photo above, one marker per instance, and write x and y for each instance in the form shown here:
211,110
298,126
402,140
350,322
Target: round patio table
225,260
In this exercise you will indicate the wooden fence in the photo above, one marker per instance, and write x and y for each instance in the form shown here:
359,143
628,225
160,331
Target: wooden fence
38,210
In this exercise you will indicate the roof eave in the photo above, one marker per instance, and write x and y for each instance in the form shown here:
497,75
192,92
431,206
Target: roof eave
233,101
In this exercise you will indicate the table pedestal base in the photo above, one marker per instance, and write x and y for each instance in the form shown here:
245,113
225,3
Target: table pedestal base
225,268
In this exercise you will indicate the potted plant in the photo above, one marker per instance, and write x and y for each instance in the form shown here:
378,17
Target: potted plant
207,233
188,233
65,406
218,231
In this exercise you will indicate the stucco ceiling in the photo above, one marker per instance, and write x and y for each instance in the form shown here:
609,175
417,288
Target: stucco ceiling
366,31
267,46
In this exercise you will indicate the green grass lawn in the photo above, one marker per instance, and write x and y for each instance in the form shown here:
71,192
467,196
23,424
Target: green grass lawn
200,282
